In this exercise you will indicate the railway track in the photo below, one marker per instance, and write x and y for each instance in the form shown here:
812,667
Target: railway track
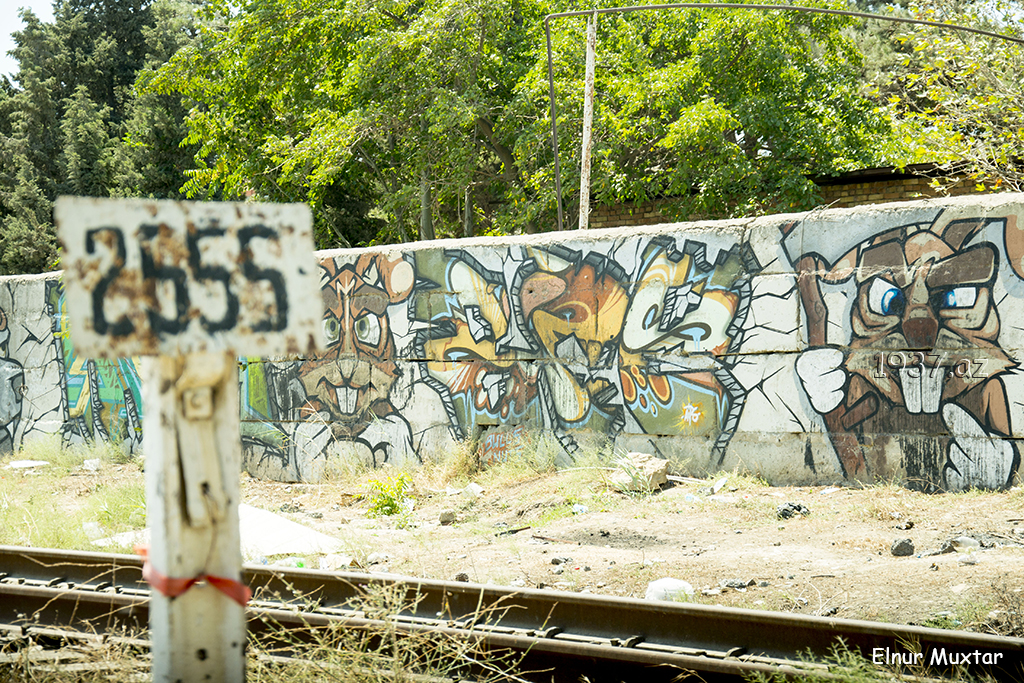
561,635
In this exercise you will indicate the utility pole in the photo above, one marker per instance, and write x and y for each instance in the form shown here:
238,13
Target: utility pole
588,123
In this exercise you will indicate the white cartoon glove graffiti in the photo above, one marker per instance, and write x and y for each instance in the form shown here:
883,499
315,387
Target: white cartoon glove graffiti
823,376
309,440
976,457
392,436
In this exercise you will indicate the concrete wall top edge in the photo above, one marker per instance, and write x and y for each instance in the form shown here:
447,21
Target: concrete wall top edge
29,277
736,227
733,226
984,203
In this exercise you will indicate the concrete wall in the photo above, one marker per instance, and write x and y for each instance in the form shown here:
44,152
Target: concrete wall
45,388
849,344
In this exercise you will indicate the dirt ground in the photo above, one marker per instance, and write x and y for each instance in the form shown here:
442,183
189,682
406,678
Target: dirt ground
570,531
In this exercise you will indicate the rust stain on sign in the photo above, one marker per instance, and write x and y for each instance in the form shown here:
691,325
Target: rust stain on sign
151,277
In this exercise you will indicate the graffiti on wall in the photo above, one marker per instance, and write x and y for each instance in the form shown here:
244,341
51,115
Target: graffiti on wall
101,398
916,357
45,388
883,336
825,347
635,340
295,409
12,387
496,446
681,308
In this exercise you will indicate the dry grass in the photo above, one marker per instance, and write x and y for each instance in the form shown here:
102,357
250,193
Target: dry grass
94,661
847,666
534,456
456,469
851,524
108,496
381,653
1000,613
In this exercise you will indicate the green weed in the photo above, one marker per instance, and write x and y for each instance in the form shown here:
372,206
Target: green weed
118,507
388,495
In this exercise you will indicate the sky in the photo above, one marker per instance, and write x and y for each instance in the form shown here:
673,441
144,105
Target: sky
9,23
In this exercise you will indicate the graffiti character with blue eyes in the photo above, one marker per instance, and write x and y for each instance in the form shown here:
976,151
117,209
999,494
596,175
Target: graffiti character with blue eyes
921,375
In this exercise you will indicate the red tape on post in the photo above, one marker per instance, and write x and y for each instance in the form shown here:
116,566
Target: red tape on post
172,588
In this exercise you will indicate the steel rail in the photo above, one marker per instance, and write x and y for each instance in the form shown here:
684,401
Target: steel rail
558,656
720,5
106,592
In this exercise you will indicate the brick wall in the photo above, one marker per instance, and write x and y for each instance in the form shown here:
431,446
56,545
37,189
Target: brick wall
641,213
873,186
896,189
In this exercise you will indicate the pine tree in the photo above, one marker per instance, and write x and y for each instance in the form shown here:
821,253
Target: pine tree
102,46
71,122
151,160
88,149
31,145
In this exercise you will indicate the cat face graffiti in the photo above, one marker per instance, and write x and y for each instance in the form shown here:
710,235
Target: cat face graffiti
925,299
352,380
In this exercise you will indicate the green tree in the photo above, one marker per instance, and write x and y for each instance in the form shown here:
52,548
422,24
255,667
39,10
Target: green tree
433,116
88,147
31,155
373,114
72,122
100,44
875,38
956,97
151,159
729,112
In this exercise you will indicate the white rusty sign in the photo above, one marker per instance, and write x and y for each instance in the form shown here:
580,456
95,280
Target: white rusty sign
150,277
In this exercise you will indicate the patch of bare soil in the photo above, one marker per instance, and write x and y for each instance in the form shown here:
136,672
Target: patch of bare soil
569,531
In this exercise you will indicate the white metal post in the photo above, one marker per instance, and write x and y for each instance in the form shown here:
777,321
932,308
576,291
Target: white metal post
588,123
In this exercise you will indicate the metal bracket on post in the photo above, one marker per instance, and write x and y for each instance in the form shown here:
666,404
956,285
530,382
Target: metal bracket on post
205,498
